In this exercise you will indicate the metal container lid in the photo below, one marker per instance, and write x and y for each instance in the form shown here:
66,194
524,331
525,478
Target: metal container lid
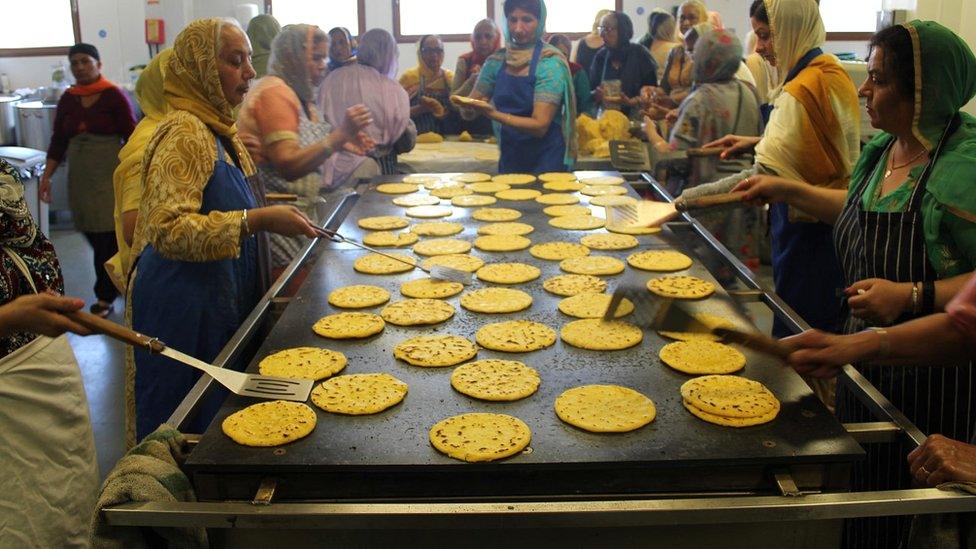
23,157
35,105
10,98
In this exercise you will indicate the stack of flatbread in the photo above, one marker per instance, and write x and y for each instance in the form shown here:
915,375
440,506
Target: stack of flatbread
731,401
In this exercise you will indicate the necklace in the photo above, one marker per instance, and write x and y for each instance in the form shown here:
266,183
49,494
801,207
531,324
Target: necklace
891,161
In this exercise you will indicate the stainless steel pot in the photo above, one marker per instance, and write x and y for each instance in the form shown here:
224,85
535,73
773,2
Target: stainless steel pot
8,119
35,124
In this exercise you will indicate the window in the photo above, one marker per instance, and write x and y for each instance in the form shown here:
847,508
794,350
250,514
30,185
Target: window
350,14
846,20
574,18
414,18
48,27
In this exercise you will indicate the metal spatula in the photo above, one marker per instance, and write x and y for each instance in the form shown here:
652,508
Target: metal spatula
252,385
440,272
652,214
659,313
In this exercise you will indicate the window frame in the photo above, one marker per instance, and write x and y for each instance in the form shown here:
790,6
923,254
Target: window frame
411,38
50,50
618,6
360,8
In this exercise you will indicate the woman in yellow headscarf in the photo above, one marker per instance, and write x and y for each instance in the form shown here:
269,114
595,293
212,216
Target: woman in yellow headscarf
195,277
429,87
127,179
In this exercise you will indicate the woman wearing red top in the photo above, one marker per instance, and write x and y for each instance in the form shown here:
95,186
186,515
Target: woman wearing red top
92,122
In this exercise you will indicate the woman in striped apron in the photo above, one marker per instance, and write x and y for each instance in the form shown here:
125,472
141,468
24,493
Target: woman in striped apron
905,234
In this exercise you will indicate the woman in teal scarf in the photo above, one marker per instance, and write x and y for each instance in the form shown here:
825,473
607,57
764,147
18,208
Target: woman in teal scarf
531,92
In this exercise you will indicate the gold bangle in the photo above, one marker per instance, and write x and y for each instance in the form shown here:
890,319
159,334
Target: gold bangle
884,344
247,228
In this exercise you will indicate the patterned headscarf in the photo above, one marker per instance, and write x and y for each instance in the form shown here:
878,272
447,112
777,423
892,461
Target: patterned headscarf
718,54
192,82
290,54
378,49
262,30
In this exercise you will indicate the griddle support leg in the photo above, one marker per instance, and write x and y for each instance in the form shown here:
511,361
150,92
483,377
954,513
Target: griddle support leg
265,492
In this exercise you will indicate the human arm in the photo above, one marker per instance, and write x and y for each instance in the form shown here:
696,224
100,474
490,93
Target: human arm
56,148
551,81
293,161
940,459
407,140
823,203
883,301
125,121
40,314
734,145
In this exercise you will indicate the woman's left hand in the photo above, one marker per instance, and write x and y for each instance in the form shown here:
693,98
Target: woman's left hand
879,300
360,145
940,459
821,355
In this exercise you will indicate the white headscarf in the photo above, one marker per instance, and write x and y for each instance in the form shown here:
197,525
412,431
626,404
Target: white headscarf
797,28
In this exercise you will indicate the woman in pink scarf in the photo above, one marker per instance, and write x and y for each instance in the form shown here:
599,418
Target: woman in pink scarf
370,82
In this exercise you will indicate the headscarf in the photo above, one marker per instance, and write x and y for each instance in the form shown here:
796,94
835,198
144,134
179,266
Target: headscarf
378,49
715,19
698,6
517,56
797,28
149,88
262,30
192,83
660,26
945,78
472,58
718,54
290,54
336,63
437,81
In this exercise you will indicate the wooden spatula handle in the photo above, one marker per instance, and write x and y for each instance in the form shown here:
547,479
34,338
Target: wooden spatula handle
757,342
114,330
710,201
713,151
280,197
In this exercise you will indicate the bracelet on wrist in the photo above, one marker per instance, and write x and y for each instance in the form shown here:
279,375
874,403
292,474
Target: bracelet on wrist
246,228
916,303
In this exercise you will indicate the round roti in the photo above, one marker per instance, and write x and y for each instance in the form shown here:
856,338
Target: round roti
303,363
573,284
496,300
562,186
501,243
558,251
435,351
451,192
729,421
349,325
442,246
489,187
612,200
517,194
496,214
495,380
563,211
729,396
421,179
593,190
557,199
437,228
710,320
603,180
359,296
517,229
441,184
514,178
473,200
427,212
379,264
472,177
383,223
480,437
416,200
681,287
628,229
557,176
597,335
593,305
359,394
577,222
429,288
515,336
699,356
463,262
592,265
417,312
607,241
605,408
389,239
508,273
270,423
659,260
397,188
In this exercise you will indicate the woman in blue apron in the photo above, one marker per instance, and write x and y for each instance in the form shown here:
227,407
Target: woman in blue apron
530,89
196,276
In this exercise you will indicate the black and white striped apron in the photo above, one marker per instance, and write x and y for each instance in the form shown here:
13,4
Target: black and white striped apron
937,399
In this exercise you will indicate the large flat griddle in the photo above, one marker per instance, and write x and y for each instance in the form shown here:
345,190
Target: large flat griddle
388,455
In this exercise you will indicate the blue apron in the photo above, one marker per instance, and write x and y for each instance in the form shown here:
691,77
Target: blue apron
521,152
806,272
193,307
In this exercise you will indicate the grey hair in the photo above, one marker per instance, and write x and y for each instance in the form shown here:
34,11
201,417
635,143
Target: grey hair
227,22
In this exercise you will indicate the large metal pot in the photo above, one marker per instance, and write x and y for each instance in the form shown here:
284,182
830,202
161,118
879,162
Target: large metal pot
35,124
8,119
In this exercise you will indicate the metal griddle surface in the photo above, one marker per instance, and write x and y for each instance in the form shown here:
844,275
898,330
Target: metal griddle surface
396,442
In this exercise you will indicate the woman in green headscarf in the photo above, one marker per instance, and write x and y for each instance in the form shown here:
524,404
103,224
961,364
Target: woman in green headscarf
530,88
261,31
